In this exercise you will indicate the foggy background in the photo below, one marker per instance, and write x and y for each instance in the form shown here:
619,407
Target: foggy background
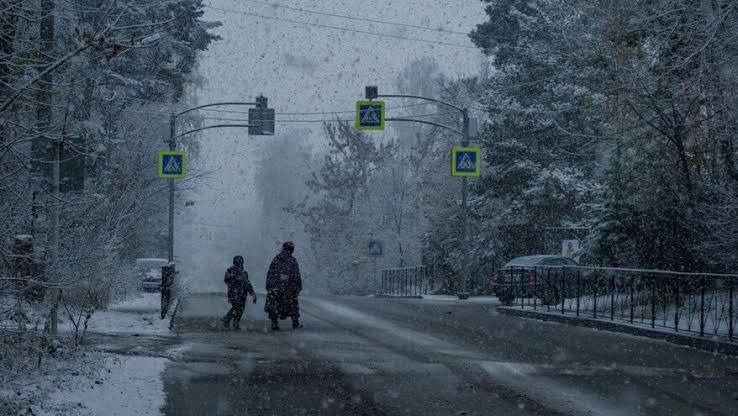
300,68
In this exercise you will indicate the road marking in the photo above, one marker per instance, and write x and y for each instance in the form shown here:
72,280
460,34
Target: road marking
413,337
524,378
353,368
567,399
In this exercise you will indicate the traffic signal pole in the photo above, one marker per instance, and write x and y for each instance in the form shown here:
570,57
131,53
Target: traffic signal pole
261,103
463,293
172,146
372,93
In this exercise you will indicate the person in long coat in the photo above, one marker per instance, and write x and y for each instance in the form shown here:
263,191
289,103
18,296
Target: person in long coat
283,285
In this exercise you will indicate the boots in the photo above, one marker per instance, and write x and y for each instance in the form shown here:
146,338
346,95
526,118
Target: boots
275,325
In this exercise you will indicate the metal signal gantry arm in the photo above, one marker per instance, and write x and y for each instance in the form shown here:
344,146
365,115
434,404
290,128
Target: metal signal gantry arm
217,126
432,123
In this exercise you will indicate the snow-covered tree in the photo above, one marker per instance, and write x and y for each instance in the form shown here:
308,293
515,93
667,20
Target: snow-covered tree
90,82
542,131
671,67
338,213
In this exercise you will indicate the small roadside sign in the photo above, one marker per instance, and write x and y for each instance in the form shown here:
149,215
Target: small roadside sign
370,115
172,164
466,161
375,248
569,248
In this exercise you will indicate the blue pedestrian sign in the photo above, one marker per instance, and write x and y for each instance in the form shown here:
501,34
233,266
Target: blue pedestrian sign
375,248
370,115
172,164
466,161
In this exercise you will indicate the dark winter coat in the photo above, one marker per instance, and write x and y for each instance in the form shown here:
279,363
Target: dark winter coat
284,275
239,286
283,285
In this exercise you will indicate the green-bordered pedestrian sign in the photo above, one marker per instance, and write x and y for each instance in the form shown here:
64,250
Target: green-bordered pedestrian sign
466,161
370,115
172,164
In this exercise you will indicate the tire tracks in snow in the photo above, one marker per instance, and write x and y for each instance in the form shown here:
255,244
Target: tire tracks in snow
419,347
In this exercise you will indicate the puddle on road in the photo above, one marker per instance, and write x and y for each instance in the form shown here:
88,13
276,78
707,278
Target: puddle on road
281,387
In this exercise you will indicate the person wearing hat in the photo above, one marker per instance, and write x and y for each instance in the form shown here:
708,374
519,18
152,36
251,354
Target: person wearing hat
283,285
239,287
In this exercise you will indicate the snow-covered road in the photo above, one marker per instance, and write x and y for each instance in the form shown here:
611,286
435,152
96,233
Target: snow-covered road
391,356
372,356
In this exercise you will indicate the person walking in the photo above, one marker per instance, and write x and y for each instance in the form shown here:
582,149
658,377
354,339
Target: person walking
239,287
283,285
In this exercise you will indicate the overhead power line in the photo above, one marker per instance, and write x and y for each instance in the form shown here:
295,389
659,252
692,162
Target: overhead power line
164,115
306,113
360,19
309,120
286,113
345,29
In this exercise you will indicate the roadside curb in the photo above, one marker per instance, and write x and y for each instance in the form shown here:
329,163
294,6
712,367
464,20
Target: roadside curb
704,344
399,296
174,314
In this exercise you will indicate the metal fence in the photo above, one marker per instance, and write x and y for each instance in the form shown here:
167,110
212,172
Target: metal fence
699,303
406,281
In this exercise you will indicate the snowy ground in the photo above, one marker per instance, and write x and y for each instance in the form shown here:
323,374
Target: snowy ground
446,298
139,314
129,386
88,382
450,298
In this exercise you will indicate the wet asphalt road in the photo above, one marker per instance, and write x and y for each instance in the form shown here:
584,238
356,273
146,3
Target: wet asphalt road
367,356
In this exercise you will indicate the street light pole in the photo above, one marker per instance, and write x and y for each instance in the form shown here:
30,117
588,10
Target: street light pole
55,217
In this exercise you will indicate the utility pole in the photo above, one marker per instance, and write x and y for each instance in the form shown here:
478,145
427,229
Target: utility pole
55,209
56,203
44,150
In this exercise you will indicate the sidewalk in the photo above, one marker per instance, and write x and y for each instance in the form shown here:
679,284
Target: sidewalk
492,300
707,343
88,381
125,386
137,315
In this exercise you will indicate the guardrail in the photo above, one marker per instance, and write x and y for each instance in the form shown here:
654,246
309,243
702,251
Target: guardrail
406,281
698,303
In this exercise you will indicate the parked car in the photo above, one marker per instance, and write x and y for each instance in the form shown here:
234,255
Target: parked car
531,276
149,272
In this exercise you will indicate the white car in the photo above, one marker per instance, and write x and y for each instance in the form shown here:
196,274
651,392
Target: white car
149,271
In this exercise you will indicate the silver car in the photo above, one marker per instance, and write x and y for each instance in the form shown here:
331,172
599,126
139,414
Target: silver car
149,271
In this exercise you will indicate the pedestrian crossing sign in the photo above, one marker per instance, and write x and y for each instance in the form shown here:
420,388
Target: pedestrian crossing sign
466,161
172,164
370,115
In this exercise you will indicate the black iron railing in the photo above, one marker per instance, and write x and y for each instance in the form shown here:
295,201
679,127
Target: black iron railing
406,281
699,303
